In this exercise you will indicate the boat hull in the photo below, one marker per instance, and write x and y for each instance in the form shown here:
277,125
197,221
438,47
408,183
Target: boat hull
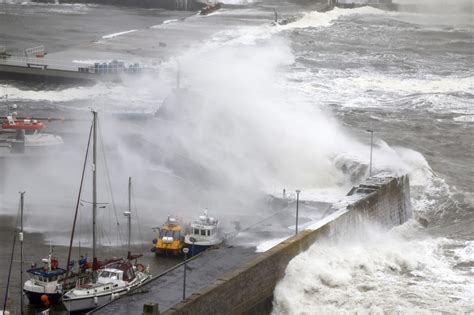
90,302
197,249
166,251
35,297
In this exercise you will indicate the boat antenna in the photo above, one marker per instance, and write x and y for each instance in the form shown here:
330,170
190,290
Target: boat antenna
78,202
94,193
22,195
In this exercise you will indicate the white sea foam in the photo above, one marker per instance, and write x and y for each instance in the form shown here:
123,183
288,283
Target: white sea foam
466,252
166,22
266,245
59,8
52,96
326,19
237,1
464,118
118,34
441,94
170,21
249,35
377,273
123,97
431,84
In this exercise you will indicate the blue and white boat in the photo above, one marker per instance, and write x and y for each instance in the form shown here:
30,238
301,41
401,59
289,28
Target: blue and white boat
52,281
204,233
44,281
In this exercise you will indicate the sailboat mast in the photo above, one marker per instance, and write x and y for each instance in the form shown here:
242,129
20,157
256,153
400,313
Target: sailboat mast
129,213
94,190
21,250
71,240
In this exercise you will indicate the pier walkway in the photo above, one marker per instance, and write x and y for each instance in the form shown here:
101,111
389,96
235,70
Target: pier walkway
167,289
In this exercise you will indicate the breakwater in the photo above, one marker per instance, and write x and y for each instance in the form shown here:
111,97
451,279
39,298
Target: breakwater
382,199
31,69
234,279
164,4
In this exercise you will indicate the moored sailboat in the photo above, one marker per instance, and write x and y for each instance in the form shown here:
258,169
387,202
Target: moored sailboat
112,279
48,283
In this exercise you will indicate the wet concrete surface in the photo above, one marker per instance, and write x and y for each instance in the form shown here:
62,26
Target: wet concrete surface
167,289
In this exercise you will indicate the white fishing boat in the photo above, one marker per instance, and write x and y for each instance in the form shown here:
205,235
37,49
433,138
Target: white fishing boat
204,233
112,279
48,282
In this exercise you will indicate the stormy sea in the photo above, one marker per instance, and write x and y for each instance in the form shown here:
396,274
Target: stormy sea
263,106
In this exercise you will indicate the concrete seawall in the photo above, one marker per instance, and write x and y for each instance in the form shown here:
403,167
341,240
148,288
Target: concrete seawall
51,75
382,199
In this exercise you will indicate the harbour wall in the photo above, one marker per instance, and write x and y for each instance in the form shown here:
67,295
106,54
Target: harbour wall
382,199
42,73
164,4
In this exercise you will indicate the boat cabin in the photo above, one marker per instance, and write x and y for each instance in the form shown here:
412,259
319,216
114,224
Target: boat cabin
170,231
168,236
109,275
122,270
39,275
204,228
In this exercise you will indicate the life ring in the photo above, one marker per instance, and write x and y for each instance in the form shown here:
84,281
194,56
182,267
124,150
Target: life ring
140,267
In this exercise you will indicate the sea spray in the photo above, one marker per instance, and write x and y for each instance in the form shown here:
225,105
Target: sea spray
375,272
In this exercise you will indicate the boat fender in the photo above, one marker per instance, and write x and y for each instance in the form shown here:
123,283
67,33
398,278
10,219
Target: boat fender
112,296
45,299
96,300
140,267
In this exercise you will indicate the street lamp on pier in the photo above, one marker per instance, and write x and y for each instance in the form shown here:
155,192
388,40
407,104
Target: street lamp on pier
185,251
297,205
371,148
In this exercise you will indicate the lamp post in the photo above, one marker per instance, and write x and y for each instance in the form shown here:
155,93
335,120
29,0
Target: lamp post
185,251
22,202
371,148
297,205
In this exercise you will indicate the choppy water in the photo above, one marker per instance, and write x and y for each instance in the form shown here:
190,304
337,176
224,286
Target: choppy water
281,106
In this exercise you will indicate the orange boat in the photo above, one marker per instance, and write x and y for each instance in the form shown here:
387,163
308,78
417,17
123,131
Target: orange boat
170,238
22,124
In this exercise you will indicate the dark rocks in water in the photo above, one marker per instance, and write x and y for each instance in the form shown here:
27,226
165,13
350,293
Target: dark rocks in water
424,222
209,8
283,21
